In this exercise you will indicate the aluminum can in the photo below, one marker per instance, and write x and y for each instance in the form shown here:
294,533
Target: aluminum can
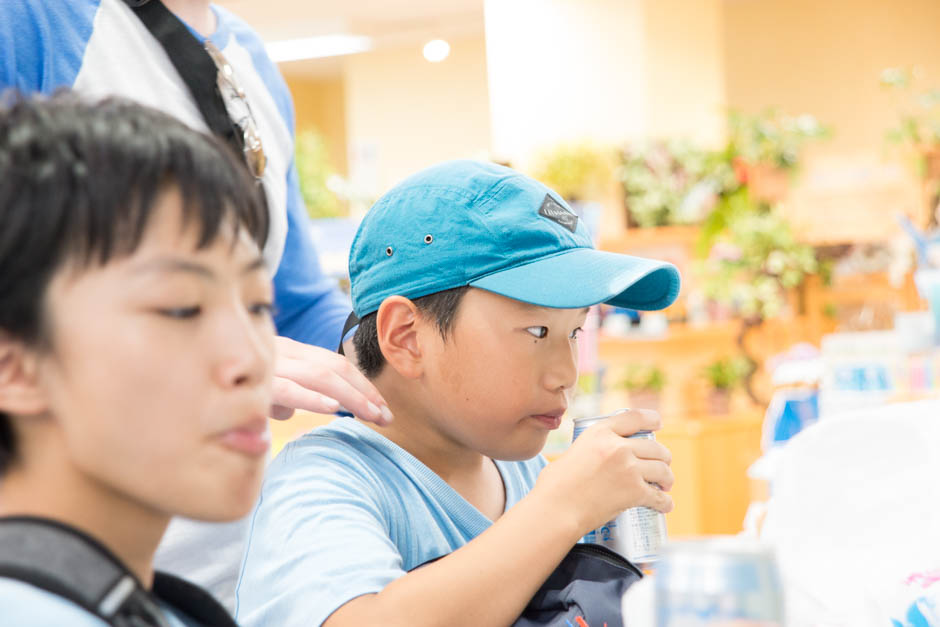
637,533
721,581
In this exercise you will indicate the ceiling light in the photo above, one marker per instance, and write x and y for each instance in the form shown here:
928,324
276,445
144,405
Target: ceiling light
436,50
317,47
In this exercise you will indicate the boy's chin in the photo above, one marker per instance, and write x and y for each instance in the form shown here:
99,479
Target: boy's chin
519,453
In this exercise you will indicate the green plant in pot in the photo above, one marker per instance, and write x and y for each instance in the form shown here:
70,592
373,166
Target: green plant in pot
765,149
670,182
752,266
723,376
644,383
918,127
578,171
315,171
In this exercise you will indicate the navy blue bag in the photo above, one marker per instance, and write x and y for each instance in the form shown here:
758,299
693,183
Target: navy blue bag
583,591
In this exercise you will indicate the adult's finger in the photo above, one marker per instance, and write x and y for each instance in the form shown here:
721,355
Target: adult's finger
289,394
344,387
304,363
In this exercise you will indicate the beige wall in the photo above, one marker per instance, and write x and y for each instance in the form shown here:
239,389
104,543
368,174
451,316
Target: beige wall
563,70
685,70
610,71
404,113
319,103
825,58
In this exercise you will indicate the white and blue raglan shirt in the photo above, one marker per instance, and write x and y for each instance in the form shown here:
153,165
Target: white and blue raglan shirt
100,48
344,511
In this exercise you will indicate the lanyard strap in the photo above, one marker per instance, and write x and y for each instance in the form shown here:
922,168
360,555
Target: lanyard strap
194,65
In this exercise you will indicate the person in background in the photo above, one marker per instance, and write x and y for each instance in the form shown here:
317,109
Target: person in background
471,282
100,47
136,351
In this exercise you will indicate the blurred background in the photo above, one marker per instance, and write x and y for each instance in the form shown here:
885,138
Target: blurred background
785,154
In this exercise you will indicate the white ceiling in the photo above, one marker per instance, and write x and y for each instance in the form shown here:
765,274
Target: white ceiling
286,19
389,22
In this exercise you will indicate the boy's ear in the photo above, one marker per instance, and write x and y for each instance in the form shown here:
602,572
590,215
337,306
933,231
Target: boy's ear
20,393
396,324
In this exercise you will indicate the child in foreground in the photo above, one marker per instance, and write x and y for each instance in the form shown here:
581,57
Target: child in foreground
471,282
136,356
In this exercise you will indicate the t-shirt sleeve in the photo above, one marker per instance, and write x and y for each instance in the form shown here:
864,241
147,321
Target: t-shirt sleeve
311,308
319,538
42,43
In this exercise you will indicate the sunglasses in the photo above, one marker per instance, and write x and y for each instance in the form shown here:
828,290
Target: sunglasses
239,110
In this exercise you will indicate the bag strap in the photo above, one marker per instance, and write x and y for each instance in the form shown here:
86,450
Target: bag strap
194,65
72,565
69,564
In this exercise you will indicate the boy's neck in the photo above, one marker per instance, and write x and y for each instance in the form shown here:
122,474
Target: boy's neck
472,474
49,488
196,13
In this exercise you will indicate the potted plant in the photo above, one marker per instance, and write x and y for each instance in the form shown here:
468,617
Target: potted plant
644,384
577,171
315,174
918,129
751,266
765,149
723,376
670,182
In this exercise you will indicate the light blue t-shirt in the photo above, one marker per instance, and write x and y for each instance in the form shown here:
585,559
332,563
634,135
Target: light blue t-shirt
343,512
23,605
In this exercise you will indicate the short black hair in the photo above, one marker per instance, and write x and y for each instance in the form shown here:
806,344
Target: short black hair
78,182
441,306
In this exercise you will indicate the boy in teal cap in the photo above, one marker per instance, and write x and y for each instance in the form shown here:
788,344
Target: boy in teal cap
471,282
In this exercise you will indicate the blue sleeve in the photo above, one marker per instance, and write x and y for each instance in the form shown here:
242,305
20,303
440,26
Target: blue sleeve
311,308
42,43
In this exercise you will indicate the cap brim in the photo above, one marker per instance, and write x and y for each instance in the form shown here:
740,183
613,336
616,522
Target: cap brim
581,277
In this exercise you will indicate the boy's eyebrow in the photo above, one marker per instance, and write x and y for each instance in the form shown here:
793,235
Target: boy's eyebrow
529,306
182,265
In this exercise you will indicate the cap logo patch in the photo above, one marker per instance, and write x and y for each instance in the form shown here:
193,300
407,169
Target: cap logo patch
554,211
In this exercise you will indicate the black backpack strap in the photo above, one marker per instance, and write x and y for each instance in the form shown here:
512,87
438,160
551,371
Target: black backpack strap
192,600
194,65
66,562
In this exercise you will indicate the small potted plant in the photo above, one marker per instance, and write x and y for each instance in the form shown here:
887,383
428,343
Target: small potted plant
723,376
765,149
918,128
644,384
579,172
669,182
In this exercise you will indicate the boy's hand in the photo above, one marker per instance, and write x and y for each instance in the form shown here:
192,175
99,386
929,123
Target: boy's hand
315,379
604,472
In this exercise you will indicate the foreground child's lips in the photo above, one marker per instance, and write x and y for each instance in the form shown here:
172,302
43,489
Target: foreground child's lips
251,437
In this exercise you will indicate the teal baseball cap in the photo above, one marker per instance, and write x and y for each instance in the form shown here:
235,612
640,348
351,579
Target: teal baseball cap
472,223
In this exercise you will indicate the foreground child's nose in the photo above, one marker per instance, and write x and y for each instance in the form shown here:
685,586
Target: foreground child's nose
244,355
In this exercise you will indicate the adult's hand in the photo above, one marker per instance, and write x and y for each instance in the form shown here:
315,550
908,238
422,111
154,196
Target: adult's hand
315,379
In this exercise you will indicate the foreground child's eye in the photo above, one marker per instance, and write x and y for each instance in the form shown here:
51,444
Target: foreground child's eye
262,309
575,333
181,313
539,332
